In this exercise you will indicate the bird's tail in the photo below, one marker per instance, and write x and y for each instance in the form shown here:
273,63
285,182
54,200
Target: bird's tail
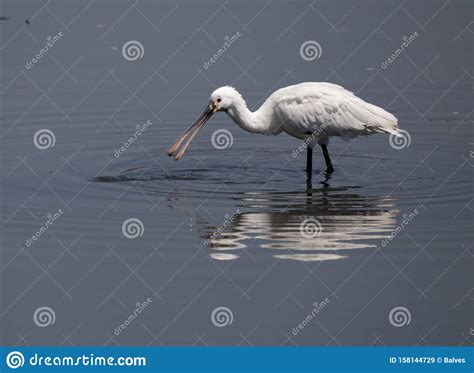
382,121
395,131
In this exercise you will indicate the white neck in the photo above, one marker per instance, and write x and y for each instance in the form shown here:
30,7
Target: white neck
260,121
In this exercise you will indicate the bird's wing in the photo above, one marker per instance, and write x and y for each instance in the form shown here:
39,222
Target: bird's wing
330,110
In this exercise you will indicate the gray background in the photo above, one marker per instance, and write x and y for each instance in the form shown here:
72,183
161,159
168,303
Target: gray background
92,98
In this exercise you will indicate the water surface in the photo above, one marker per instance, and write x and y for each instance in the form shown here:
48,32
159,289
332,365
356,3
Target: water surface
280,247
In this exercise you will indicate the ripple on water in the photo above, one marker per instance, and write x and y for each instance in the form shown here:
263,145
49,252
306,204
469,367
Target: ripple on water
273,220
199,180
272,210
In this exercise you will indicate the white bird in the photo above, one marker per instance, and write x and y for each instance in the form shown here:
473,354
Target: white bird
313,112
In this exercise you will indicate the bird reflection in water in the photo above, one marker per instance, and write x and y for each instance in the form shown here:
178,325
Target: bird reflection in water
318,224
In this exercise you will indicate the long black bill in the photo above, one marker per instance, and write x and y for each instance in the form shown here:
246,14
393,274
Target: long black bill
190,134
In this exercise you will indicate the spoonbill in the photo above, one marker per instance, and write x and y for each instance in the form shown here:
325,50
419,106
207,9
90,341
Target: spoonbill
312,112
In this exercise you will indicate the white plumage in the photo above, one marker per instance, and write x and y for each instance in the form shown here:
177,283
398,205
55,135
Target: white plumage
313,112
328,110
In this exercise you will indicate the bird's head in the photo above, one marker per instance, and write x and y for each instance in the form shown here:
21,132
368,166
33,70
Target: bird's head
222,99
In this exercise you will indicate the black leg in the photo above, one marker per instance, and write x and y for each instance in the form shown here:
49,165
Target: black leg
309,160
309,167
329,167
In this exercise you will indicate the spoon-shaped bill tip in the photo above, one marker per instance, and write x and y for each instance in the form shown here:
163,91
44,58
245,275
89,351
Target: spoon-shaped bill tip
189,134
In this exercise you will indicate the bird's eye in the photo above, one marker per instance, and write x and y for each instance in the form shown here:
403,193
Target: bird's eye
218,100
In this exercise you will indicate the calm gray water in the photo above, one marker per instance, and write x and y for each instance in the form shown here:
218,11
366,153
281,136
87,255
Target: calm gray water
290,265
